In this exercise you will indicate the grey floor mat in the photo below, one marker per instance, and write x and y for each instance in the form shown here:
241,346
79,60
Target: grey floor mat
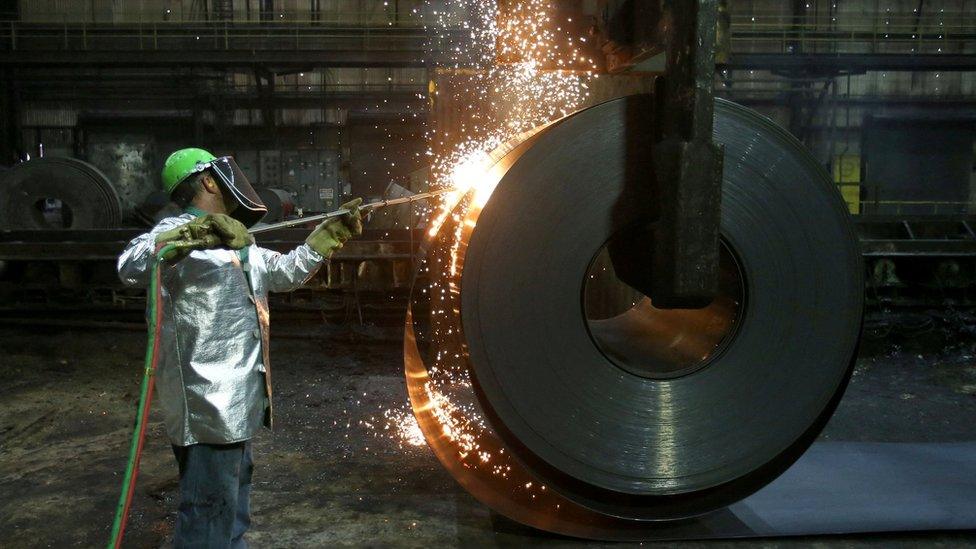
853,487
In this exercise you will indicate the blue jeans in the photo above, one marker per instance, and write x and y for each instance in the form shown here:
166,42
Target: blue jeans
215,493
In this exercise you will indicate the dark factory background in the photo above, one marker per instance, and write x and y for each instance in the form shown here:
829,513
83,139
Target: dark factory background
325,99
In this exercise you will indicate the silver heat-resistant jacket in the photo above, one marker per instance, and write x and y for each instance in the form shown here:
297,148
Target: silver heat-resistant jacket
213,378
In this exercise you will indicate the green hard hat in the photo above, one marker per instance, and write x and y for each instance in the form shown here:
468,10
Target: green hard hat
182,164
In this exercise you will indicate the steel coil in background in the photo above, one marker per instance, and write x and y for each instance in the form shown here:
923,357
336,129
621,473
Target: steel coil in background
280,204
57,193
564,401
155,207
158,205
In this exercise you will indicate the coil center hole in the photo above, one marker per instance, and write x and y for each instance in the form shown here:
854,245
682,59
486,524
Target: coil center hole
54,213
659,343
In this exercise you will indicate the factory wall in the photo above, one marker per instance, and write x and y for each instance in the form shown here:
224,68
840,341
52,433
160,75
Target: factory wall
303,149
829,111
877,16
129,160
312,165
381,153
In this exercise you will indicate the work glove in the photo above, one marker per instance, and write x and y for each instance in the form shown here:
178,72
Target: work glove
331,234
203,233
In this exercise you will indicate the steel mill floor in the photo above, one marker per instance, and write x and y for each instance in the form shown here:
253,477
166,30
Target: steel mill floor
336,470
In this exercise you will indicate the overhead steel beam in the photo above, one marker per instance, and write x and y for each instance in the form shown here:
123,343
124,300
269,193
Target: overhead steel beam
774,98
298,59
851,62
395,103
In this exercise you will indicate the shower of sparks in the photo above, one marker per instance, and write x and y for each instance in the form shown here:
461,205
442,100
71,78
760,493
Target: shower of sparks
507,71
404,424
504,68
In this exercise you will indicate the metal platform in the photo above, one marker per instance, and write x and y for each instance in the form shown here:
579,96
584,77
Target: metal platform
917,236
54,272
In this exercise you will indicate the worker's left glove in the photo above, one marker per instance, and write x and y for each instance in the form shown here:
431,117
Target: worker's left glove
331,234
233,234
205,232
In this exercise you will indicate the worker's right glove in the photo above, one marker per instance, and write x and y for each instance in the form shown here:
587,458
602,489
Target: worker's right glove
205,232
331,234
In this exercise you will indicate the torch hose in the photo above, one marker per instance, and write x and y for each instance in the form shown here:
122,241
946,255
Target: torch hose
145,398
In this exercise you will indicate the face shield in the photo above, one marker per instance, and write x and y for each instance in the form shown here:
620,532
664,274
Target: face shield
245,204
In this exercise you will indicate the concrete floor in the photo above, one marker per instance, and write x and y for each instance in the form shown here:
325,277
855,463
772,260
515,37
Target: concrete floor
325,479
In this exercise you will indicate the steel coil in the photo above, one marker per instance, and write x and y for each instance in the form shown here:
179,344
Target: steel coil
155,207
564,400
57,193
279,202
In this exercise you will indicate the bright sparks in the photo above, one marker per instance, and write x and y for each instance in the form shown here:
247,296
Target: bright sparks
506,72
501,77
404,424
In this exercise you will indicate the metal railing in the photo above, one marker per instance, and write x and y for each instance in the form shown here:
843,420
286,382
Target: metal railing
916,207
333,88
870,203
743,89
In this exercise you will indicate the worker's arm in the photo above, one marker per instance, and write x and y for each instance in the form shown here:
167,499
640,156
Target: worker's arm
136,260
287,272
332,234
205,232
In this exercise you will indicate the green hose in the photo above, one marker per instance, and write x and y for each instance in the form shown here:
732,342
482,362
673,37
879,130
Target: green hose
154,297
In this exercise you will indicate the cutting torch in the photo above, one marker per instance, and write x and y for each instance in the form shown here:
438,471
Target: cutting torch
213,240
339,213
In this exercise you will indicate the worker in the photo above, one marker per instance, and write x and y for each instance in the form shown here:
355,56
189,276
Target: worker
213,378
